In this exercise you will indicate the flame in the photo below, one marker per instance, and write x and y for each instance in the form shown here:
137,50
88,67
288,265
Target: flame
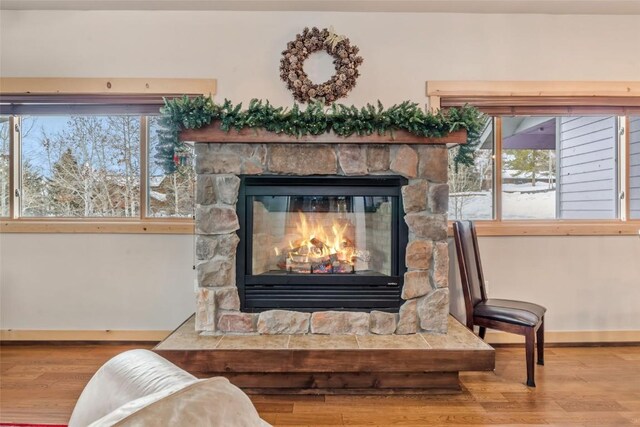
320,245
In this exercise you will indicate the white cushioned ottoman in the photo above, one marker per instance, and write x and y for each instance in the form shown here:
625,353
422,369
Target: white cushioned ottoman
140,388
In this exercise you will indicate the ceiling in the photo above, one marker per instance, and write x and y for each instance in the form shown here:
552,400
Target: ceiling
556,7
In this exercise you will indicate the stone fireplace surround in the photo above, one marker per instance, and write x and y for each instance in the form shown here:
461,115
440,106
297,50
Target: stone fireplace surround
425,291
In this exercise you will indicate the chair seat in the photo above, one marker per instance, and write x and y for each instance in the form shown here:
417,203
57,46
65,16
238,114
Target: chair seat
510,311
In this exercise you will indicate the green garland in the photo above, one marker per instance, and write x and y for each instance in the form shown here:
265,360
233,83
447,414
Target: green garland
315,119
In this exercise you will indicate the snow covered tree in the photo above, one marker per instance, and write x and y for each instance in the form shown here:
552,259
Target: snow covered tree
531,164
35,192
467,180
67,188
172,190
92,165
124,140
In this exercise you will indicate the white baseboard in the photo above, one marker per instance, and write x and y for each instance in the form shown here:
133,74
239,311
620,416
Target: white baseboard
81,335
492,337
566,337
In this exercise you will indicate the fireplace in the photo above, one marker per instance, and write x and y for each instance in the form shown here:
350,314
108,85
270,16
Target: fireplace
310,243
321,238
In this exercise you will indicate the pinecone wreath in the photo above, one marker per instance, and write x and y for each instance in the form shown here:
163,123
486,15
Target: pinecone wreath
346,61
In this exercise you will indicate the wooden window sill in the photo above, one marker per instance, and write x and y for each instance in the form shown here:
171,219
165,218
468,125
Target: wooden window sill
93,226
556,228
186,226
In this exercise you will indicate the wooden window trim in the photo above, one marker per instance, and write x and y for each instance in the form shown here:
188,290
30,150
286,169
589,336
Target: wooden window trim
102,225
14,166
112,89
536,89
104,86
555,228
545,98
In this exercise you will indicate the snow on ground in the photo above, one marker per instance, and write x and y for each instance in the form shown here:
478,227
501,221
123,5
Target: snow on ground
539,187
529,205
472,205
522,204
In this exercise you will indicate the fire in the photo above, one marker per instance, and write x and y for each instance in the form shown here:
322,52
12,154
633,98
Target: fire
318,248
319,244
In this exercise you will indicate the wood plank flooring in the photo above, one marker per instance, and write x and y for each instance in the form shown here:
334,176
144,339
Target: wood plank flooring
578,386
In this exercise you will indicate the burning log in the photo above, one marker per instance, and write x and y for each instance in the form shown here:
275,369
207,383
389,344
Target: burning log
317,259
315,251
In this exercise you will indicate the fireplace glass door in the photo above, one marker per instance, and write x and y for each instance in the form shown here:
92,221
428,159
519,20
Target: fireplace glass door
320,242
322,235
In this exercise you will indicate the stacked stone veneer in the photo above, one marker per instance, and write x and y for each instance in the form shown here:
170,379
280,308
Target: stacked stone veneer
425,198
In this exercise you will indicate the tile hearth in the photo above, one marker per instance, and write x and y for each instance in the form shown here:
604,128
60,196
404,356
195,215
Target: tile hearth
458,338
332,364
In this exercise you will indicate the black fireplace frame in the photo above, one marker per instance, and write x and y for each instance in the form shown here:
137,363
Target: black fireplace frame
304,292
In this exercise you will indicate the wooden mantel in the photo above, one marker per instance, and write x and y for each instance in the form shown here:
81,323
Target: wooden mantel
212,133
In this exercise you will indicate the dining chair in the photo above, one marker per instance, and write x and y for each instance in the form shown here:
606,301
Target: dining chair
517,317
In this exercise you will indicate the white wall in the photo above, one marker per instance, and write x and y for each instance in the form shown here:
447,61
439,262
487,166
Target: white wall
91,281
587,283
145,282
242,49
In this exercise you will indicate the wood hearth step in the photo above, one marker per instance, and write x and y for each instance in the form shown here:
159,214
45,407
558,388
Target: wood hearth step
332,364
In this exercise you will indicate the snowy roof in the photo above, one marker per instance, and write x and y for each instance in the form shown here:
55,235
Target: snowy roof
158,196
155,181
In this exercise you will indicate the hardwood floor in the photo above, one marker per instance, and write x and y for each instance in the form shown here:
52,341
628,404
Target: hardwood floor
578,386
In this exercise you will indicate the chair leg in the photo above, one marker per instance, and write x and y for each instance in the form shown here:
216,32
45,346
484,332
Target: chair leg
481,331
529,347
540,342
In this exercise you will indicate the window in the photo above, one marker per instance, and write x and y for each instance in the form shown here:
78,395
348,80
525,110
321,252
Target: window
528,167
4,166
170,195
634,166
5,162
561,167
90,166
80,166
551,167
79,155
471,187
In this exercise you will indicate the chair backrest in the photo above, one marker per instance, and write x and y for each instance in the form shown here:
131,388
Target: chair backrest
470,266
